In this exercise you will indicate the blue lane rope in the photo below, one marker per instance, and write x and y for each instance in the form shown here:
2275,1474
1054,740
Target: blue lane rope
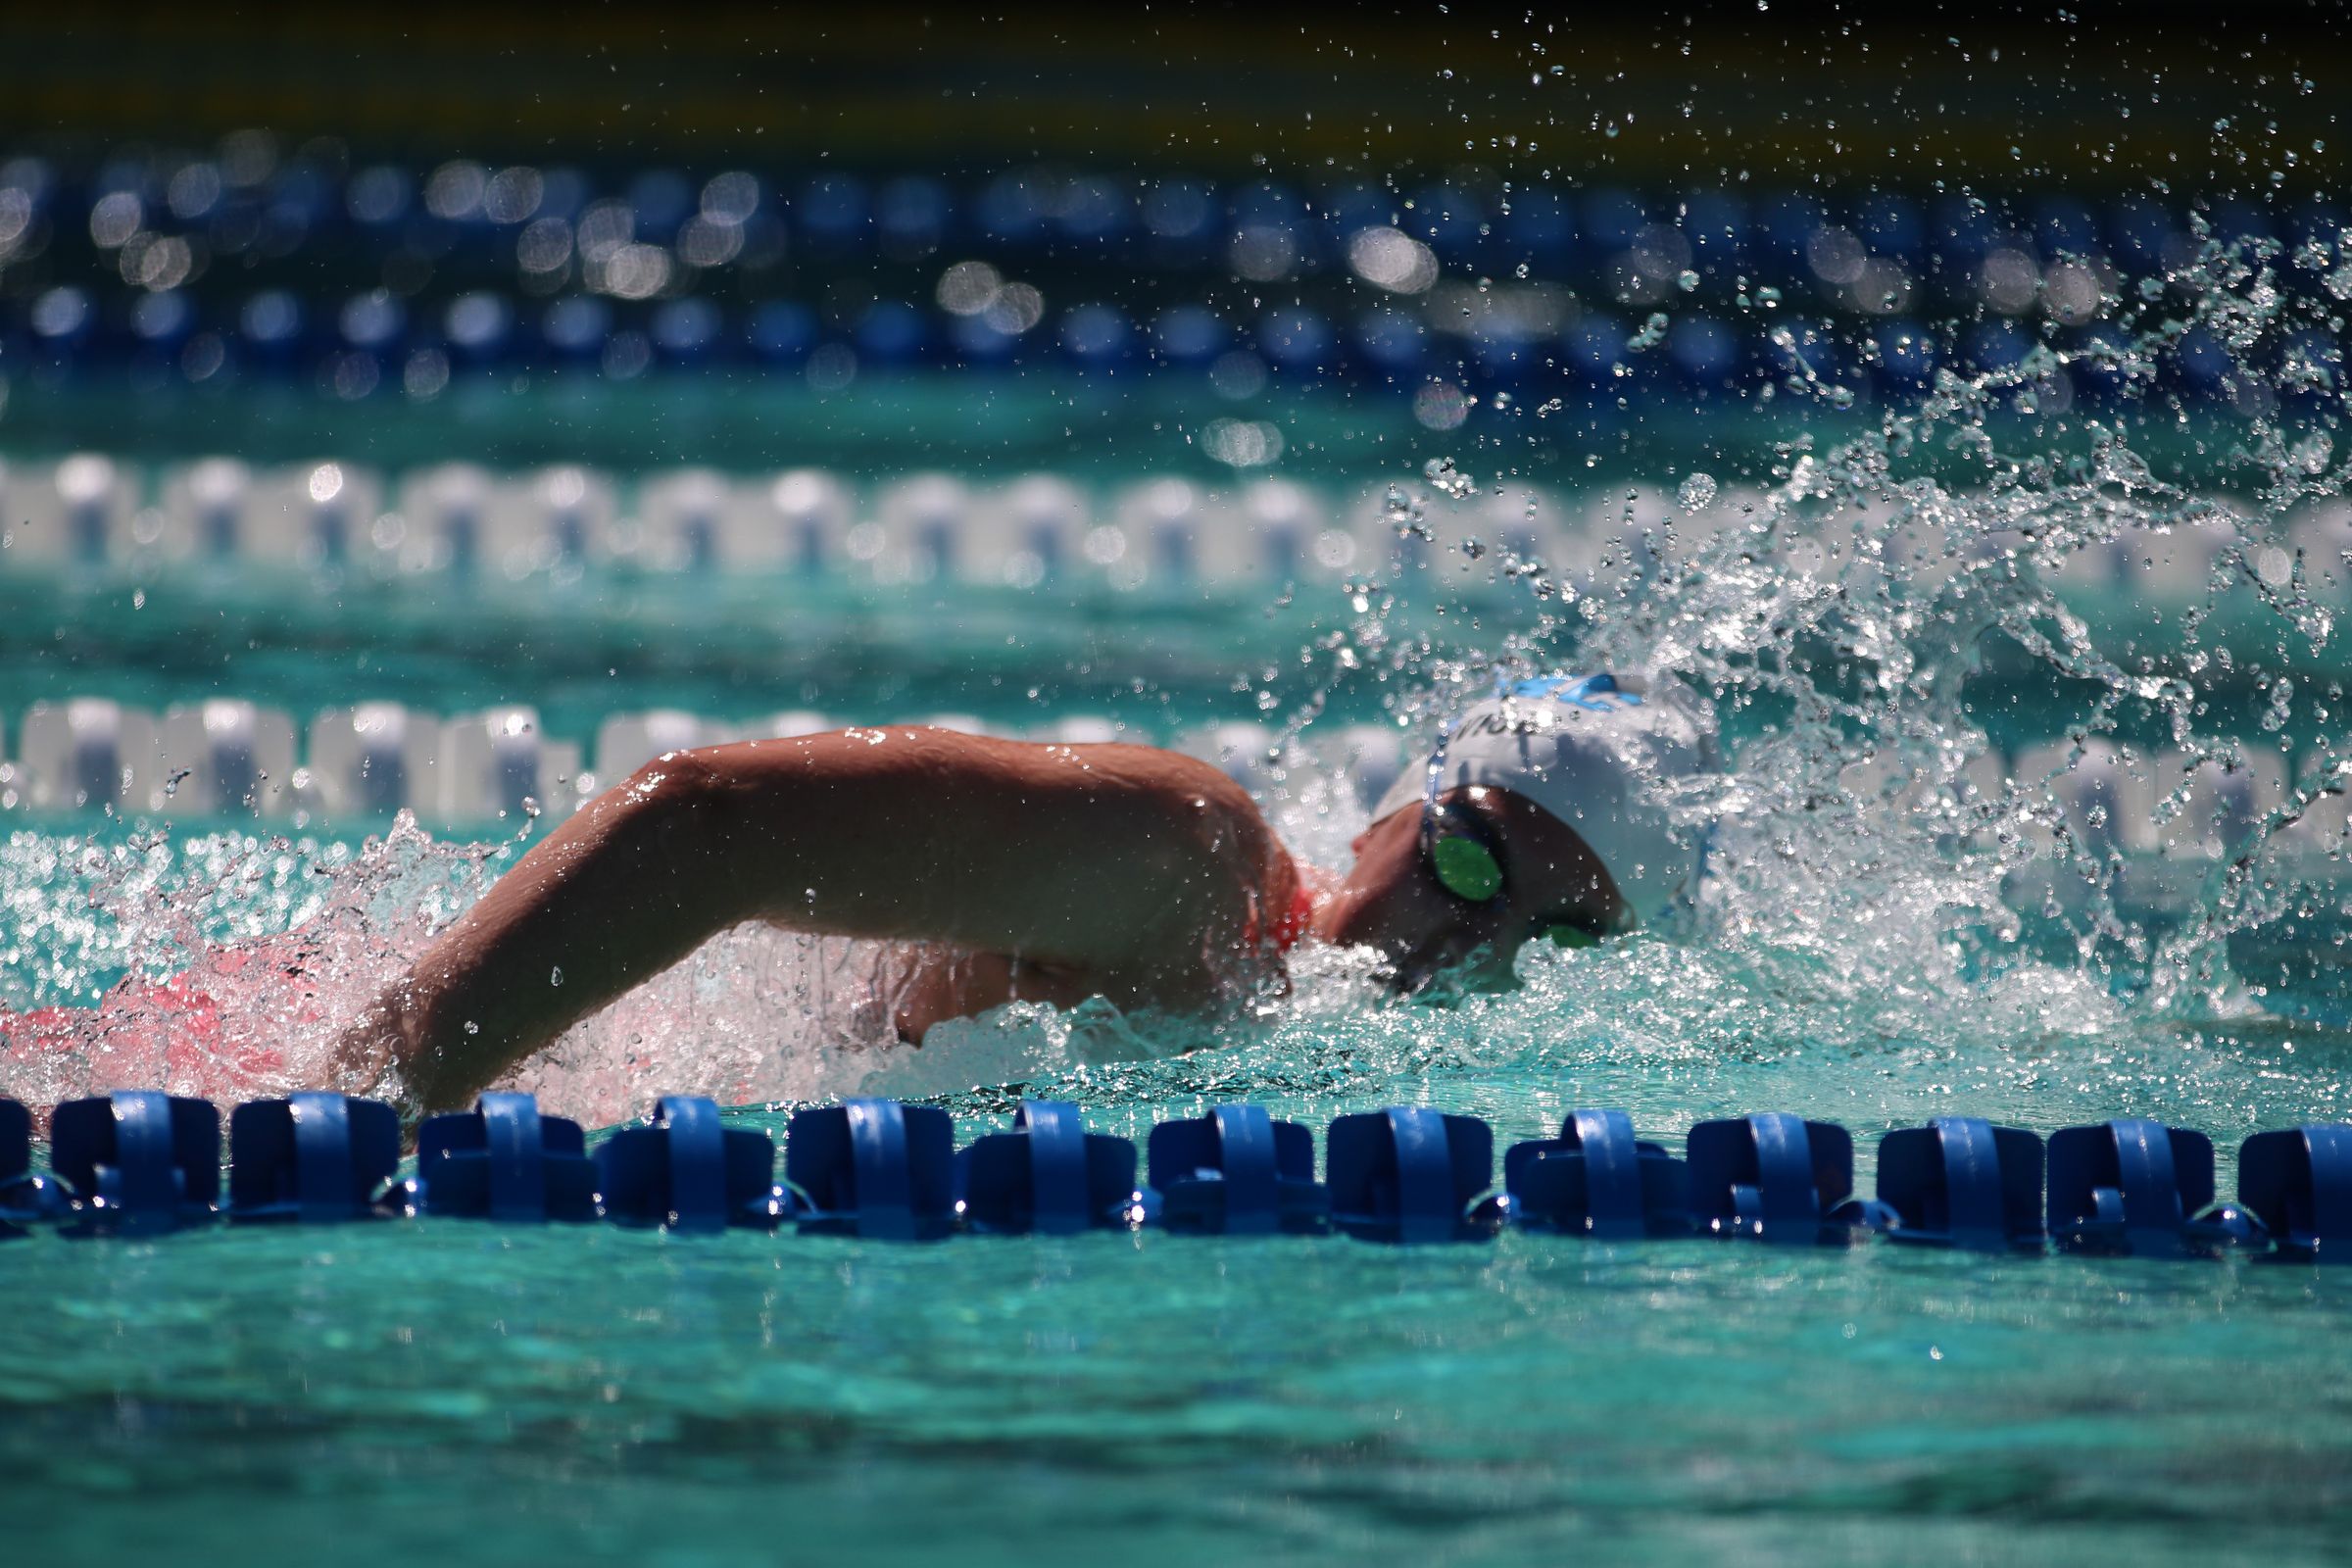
1597,1179
141,1162
312,1157
1412,1174
1962,1182
1049,1175
1236,1170
25,1198
684,1171
1773,1177
2298,1186
137,1162
872,1168
503,1160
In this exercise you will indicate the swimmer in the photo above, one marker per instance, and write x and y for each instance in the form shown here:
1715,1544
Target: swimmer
1055,872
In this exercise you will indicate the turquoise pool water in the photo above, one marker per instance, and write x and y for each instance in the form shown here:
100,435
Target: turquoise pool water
456,1391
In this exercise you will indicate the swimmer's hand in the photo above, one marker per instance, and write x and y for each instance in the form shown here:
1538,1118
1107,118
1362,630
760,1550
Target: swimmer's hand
1139,871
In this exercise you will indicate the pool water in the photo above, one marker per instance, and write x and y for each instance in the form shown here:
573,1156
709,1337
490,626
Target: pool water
1888,937
457,1390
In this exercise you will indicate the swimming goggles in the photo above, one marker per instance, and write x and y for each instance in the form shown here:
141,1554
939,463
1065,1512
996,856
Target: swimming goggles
1460,853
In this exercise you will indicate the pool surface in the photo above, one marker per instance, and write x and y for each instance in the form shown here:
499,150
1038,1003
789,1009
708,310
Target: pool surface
457,1389
366,505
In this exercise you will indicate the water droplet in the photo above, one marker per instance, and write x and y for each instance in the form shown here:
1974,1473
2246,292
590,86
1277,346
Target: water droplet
1697,490
555,976
1447,479
1688,280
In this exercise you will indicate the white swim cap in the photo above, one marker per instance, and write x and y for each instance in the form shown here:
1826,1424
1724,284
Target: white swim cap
1594,751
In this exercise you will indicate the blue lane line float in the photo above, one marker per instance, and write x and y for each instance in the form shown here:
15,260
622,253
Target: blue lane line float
1773,1177
1961,1182
1049,1175
2136,1188
137,1162
2298,1184
16,1143
875,1168
16,1169
2128,1186
684,1171
24,1197
1597,1179
1410,1174
312,1157
142,1162
503,1160
1236,1171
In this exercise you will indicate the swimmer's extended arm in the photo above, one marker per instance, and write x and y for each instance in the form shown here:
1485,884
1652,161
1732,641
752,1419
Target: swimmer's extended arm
1111,860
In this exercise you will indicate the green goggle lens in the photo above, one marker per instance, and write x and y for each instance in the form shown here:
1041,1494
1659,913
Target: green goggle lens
1568,936
1466,868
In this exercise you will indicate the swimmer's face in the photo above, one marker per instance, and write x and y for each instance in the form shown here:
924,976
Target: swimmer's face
1392,900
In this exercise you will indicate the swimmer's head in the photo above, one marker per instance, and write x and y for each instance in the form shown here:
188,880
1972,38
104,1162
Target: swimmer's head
1542,812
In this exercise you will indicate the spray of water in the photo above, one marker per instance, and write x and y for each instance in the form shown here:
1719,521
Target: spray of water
1862,609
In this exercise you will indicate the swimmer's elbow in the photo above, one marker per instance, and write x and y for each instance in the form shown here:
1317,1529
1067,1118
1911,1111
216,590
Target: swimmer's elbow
678,785
683,801
679,824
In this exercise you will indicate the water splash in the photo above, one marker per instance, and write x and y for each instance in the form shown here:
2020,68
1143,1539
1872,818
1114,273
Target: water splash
223,964
1857,612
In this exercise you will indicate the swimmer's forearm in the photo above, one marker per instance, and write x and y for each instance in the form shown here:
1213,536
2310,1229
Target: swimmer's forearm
621,891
